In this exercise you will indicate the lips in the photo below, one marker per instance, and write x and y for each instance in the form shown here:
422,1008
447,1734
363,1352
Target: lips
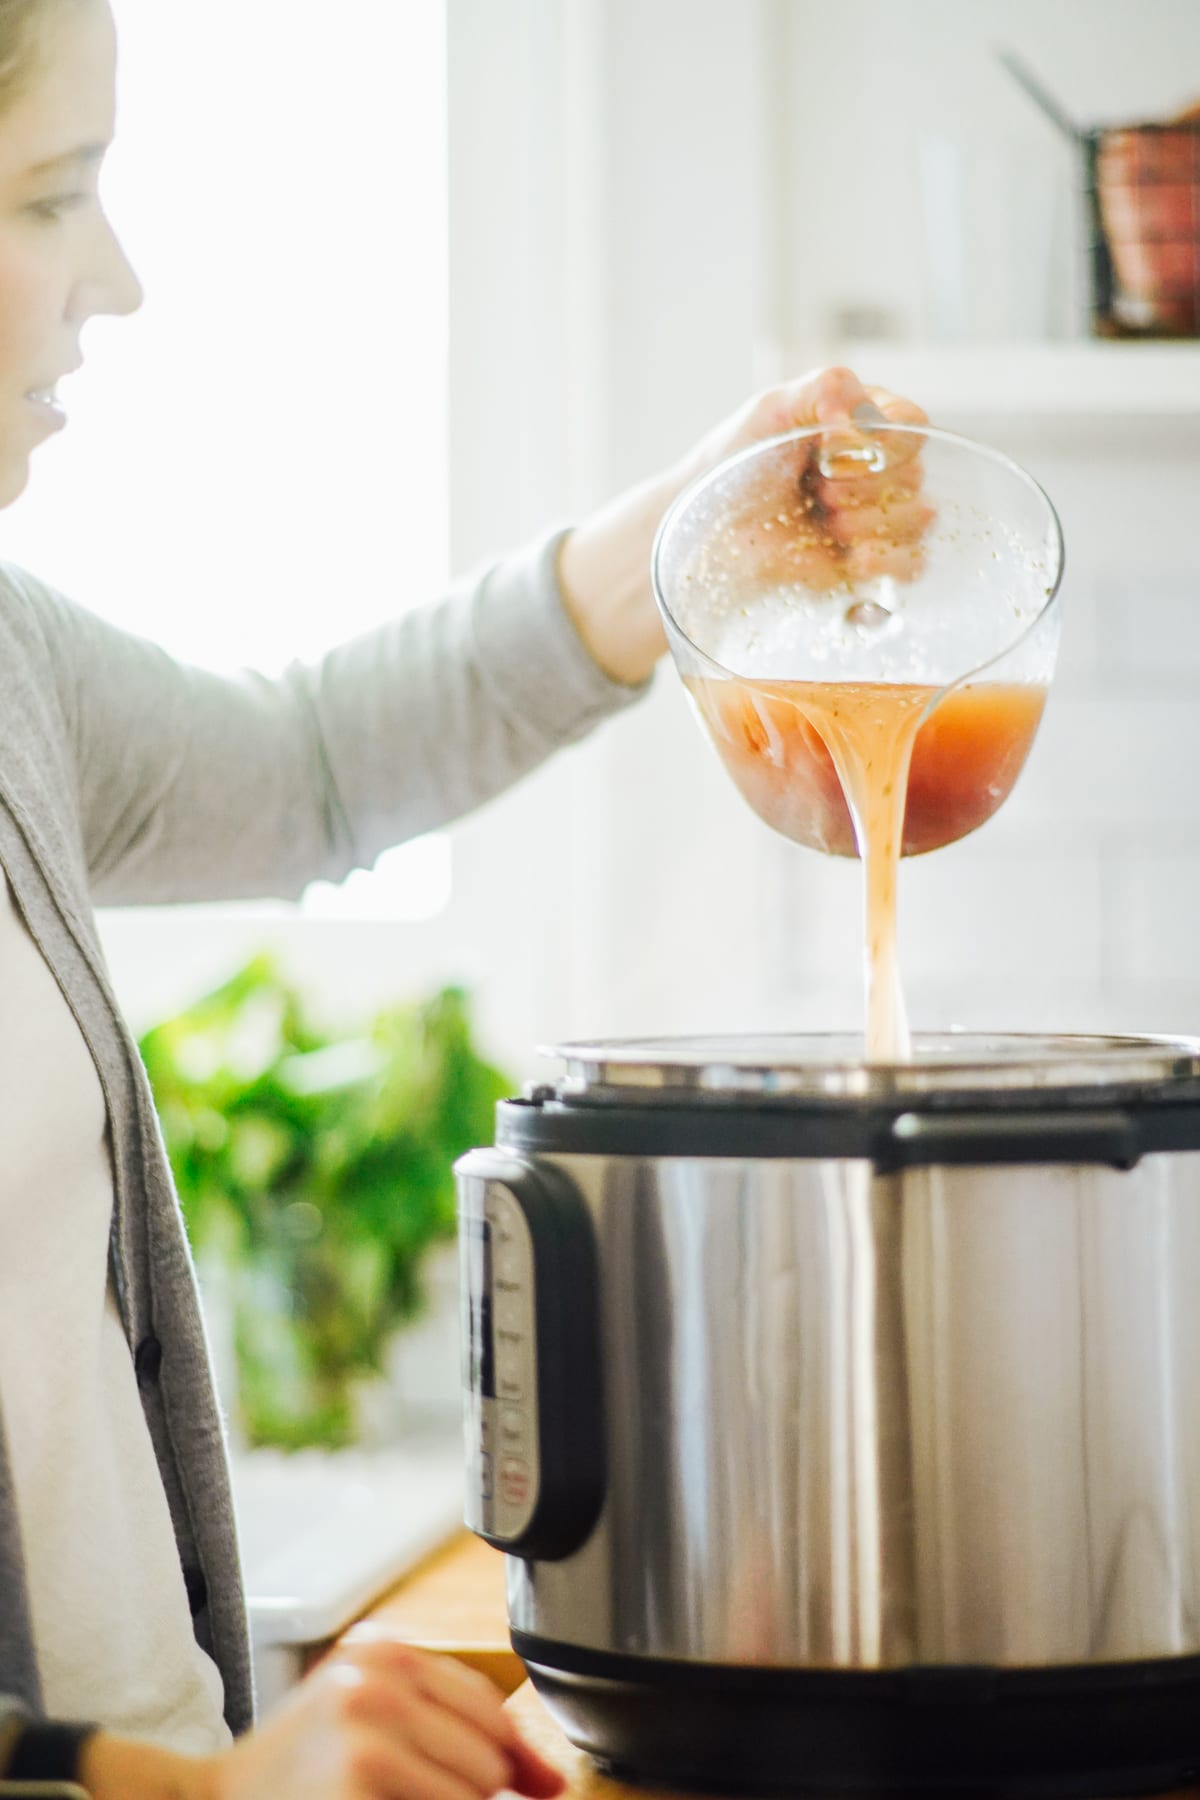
46,404
45,397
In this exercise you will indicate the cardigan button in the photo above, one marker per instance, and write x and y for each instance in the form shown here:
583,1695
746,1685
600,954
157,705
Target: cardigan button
147,1361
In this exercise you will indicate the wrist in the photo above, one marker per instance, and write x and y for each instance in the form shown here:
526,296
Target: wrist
116,1768
604,579
37,1753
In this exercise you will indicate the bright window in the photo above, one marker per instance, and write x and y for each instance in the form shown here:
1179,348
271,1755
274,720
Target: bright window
256,464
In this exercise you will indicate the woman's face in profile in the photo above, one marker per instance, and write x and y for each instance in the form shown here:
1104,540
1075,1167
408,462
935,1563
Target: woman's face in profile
60,263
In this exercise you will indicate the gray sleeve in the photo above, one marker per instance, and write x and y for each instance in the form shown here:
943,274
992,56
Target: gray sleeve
20,1690
194,786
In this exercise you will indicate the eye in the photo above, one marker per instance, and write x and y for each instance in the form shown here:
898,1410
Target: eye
56,206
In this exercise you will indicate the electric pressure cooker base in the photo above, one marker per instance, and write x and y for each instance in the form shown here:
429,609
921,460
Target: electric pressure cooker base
1038,1734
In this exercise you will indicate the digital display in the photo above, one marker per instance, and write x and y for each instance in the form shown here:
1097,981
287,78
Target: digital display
481,1352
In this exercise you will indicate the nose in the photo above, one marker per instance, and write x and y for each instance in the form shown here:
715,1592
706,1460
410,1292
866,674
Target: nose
110,284
126,292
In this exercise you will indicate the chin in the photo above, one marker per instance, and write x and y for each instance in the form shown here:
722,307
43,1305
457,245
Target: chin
14,478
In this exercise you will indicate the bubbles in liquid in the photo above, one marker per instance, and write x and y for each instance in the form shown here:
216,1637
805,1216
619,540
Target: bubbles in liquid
868,615
980,590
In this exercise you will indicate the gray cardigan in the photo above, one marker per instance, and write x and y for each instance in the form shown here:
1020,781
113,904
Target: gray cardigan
128,778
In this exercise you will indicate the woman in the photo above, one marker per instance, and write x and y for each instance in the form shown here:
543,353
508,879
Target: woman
125,777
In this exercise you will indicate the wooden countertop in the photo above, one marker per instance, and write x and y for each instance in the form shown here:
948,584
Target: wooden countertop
454,1603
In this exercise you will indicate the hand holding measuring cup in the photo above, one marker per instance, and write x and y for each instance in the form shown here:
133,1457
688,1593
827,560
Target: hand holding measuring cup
849,504
870,516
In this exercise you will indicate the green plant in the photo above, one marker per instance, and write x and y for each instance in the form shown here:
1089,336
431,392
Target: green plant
315,1172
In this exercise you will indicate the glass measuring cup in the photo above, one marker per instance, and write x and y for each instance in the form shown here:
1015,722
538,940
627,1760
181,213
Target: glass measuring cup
871,690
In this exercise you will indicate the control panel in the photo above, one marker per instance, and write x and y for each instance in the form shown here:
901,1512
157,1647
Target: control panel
500,1346
532,1391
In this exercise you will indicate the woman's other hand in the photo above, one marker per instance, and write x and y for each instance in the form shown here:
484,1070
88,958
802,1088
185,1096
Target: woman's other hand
377,1720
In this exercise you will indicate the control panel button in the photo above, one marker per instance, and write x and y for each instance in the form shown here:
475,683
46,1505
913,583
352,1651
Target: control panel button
510,1366
510,1315
512,1429
516,1480
501,1214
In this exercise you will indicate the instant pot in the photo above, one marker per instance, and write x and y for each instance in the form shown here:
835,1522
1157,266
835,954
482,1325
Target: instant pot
841,1422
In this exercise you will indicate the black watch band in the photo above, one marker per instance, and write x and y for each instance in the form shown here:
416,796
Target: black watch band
46,1751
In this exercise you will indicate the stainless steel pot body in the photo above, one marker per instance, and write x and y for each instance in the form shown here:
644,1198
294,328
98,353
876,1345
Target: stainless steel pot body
859,1418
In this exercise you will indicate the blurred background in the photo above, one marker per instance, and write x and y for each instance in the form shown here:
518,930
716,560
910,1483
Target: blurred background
428,281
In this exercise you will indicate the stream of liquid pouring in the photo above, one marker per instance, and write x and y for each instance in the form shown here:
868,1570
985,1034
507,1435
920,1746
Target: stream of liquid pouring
869,730
877,769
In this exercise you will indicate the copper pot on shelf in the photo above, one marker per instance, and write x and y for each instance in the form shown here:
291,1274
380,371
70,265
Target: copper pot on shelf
1144,194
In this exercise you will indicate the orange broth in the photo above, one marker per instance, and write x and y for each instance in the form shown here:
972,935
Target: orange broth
856,768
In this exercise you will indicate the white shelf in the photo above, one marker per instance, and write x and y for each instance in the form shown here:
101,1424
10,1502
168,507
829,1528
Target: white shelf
1065,381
